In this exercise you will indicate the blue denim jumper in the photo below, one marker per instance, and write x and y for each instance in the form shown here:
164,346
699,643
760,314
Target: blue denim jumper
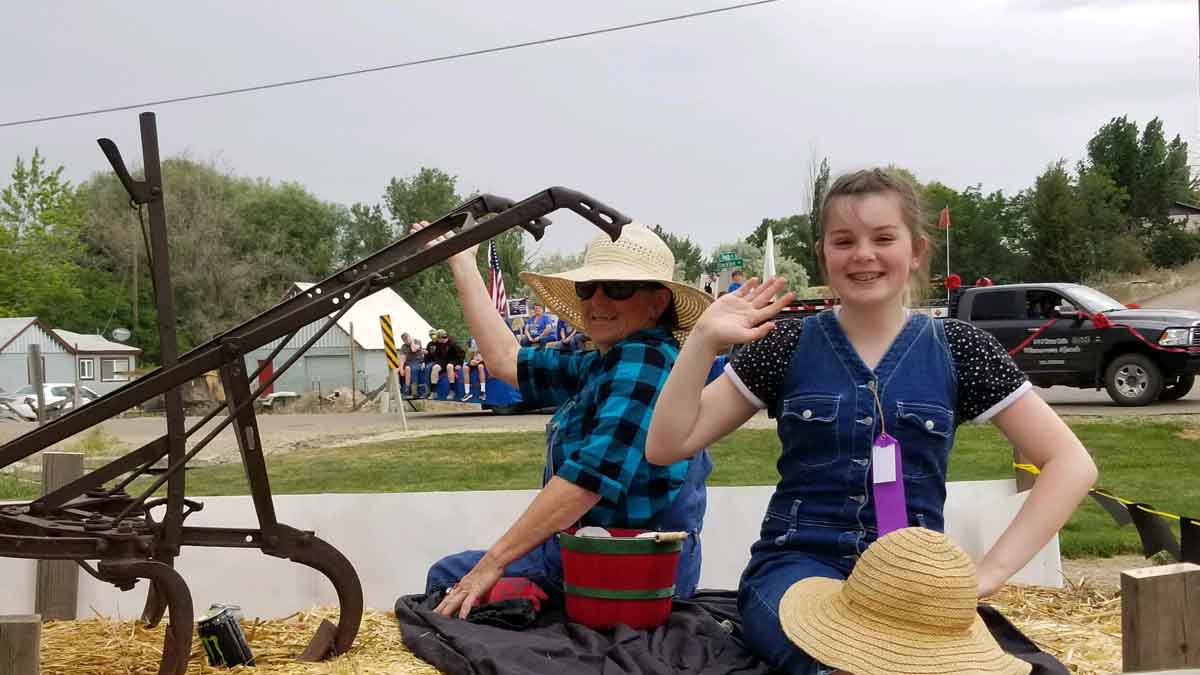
822,515
543,564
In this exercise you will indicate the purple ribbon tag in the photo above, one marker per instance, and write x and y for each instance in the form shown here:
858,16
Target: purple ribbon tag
887,478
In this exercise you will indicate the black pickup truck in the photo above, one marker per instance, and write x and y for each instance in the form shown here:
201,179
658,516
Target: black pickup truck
1049,331
1069,348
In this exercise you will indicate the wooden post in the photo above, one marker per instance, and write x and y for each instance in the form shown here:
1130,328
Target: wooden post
20,637
353,372
1025,479
1160,617
37,378
58,580
75,402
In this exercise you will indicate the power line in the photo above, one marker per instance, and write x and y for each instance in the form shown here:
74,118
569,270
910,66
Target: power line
406,64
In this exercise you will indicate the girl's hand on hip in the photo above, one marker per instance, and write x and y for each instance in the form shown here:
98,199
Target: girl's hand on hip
742,316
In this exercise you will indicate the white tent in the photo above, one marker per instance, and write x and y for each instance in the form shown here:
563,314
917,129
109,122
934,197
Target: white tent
768,255
365,316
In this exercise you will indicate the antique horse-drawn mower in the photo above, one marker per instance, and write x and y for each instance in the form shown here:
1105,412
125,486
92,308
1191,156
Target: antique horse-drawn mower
96,518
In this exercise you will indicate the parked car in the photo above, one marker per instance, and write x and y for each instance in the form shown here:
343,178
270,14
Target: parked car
59,397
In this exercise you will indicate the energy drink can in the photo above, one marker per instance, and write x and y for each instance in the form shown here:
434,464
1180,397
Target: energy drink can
222,638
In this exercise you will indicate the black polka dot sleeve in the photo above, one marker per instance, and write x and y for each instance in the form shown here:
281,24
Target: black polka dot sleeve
757,369
988,379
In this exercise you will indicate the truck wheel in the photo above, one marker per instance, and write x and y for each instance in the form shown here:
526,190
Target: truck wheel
1133,380
1176,391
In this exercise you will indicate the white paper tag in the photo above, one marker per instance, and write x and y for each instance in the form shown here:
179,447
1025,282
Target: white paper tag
883,463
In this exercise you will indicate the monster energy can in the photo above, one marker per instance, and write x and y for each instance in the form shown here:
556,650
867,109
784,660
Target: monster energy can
222,637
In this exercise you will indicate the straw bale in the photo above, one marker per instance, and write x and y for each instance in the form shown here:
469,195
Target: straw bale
1080,625
105,647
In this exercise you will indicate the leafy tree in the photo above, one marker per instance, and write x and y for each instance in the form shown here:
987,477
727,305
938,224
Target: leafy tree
220,276
427,195
1072,223
1151,171
1101,212
1061,245
39,225
986,236
299,229
365,231
1172,245
688,257
752,258
792,239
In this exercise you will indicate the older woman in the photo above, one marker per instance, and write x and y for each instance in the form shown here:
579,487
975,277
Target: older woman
596,471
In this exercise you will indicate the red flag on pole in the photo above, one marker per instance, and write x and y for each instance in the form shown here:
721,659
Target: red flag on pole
944,219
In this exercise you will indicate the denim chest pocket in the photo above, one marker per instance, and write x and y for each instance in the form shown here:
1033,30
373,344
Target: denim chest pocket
925,432
810,424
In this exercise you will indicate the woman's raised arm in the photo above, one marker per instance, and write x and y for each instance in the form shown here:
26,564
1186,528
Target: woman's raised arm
495,339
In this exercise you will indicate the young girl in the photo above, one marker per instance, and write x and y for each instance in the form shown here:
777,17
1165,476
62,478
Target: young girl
864,393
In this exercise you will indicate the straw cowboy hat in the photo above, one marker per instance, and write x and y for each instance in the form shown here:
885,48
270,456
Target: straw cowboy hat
638,255
907,608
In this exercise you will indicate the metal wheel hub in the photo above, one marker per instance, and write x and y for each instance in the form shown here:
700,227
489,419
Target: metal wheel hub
1132,380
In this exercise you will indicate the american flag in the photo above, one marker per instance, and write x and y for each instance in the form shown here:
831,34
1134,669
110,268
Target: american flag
496,286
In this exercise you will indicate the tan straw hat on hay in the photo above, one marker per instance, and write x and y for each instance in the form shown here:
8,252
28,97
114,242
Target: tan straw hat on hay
908,608
638,255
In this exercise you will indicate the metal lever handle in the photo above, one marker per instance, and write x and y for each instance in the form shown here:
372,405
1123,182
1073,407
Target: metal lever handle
136,189
602,216
496,204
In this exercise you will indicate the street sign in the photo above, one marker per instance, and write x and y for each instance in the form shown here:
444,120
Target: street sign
729,263
389,342
727,256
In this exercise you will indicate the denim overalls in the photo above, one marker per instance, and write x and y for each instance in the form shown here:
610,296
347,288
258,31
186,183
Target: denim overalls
544,564
822,514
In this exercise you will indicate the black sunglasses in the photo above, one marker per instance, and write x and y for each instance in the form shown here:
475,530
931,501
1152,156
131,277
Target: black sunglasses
613,290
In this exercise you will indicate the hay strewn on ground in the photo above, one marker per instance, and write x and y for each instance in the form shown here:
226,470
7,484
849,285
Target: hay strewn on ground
1080,625
103,647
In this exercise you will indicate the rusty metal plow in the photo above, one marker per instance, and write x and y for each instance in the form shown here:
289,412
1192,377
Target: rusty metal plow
97,518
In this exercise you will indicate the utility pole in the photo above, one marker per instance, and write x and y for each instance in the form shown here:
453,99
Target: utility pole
1194,146
134,278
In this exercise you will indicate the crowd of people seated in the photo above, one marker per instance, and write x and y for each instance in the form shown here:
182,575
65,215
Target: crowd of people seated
540,329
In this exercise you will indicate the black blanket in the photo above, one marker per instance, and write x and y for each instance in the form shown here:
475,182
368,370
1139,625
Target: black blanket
701,636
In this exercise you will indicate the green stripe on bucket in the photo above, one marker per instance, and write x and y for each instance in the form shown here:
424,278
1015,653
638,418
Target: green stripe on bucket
616,594
617,545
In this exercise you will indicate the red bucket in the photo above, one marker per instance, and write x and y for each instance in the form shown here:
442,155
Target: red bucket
618,579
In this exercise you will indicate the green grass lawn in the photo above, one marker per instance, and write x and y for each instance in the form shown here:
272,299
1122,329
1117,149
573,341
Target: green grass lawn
1141,460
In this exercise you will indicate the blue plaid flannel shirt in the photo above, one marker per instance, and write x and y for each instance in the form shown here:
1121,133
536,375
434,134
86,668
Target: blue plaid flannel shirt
605,402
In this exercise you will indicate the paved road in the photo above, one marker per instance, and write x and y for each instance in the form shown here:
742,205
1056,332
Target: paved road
283,433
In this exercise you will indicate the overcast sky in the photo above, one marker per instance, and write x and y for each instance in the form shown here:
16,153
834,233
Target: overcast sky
703,125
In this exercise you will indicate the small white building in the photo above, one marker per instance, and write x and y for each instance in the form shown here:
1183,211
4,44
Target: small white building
103,365
326,366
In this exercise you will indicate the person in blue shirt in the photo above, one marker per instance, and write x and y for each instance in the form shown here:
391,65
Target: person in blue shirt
596,472
568,338
539,328
736,281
